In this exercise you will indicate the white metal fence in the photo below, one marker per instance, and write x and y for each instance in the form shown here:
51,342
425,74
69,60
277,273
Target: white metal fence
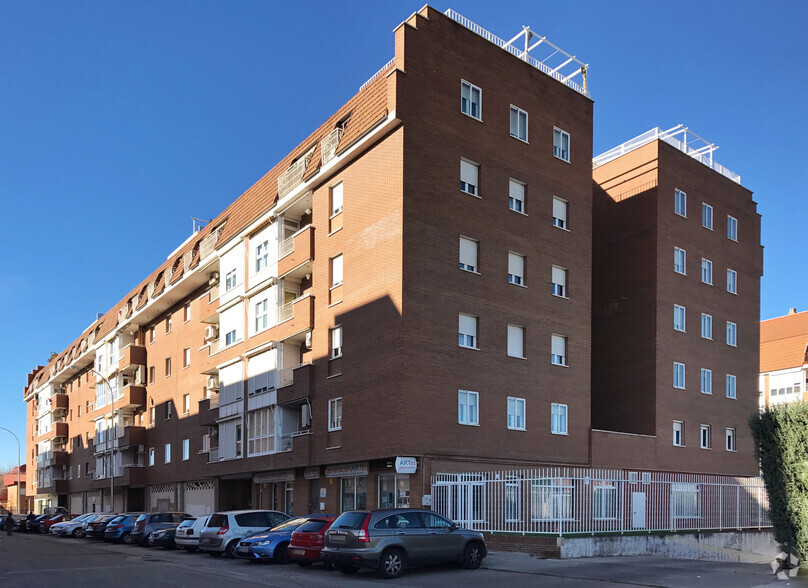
568,501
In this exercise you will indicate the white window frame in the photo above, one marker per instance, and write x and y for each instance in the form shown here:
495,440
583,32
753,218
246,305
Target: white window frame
730,439
468,254
337,270
469,99
679,318
558,279
732,334
706,326
465,339
516,195
335,414
337,198
468,408
516,334
560,206
706,271
559,419
706,216
230,280
186,357
516,274
558,343
516,414
336,341
230,338
167,451
679,373
186,403
732,228
151,456
470,177
732,281
559,136
519,114
680,265
261,256
186,449
262,315
680,429
706,381
680,203
705,437
731,386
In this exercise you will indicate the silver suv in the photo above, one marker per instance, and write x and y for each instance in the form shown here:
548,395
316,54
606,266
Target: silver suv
225,529
388,540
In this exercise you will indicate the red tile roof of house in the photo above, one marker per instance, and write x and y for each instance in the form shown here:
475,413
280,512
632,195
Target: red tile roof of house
784,342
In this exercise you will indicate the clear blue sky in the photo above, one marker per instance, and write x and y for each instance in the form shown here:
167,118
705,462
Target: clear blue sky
121,120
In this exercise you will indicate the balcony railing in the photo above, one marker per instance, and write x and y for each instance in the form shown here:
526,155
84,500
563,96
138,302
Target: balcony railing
328,146
213,455
285,442
286,312
286,246
289,179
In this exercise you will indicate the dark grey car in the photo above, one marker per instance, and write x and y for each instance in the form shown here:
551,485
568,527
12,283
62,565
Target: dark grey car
154,521
388,540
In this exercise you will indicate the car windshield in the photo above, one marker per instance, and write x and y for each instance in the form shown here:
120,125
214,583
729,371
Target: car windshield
290,524
187,523
350,520
311,527
117,519
218,520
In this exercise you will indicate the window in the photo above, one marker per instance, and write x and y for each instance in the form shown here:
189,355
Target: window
732,228
558,350
706,326
261,315
559,213
706,381
336,270
516,269
168,324
732,281
516,413
186,449
732,334
518,123
336,342
168,366
230,280
678,433
680,203
467,329
469,175
730,386
230,338
707,271
516,196
679,260
513,500
336,199
679,318
468,254
467,408
261,256
516,341
561,144
151,456
151,375
186,312
168,453
238,440
151,335
394,492
261,431
684,500
705,436
153,415
335,414
678,375
730,445
558,419
559,279
551,499
604,500
471,100
186,357
169,410
706,216
186,403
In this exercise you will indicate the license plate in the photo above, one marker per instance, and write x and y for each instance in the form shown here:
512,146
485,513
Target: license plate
243,550
337,538
296,552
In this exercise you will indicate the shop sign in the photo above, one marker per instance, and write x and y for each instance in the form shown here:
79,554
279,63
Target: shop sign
311,473
343,471
270,477
406,465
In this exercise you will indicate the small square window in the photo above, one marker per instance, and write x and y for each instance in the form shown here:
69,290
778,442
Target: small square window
559,213
706,442
471,100
561,144
336,342
558,419
678,375
516,341
707,271
678,433
679,317
468,407
706,381
516,413
469,177
679,261
732,228
516,269
518,123
468,254
335,414
516,196
467,331
732,281
706,216
558,350
706,326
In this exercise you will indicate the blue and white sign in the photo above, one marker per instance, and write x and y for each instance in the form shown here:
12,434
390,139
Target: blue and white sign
406,465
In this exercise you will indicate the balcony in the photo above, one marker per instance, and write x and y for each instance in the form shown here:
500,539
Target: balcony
213,455
295,317
294,252
53,487
133,396
133,475
52,458
292,177
58,431
132,436
133,357
295,384
60,402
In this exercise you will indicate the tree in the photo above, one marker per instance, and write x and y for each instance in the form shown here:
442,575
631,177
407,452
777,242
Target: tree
51,356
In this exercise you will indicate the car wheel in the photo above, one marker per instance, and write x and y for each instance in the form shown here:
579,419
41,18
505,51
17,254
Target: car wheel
392,563
304,564
473,556
230,550
281,555
75,533
348,570
126,539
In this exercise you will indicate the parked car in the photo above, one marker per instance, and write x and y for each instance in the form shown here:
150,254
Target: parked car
32,525
390,539
225,529
187,535
163,538
270,544
153,521
119,529
70,528
95,528
307,540
58,518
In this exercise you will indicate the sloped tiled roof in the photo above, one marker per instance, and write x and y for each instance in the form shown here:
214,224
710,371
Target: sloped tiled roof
783,342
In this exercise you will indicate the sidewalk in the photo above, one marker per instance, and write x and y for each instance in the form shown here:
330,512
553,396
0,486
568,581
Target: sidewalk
642,571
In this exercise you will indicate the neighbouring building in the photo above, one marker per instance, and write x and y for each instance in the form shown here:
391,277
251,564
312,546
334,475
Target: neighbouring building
410,292
783,359
13,497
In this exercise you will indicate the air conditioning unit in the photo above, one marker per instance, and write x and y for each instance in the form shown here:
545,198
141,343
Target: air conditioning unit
213,383
307,343
213,431
214,279
211,332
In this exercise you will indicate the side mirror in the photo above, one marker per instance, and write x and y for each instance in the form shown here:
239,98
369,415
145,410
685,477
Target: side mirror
454,527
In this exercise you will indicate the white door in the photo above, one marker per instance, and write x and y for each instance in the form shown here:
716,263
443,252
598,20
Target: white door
638,510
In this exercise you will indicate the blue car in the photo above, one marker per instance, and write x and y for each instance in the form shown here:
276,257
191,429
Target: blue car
270,544
119,529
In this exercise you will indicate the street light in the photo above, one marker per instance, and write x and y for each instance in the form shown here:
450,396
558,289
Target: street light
18,467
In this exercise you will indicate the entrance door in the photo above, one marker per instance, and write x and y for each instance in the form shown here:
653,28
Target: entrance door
638,510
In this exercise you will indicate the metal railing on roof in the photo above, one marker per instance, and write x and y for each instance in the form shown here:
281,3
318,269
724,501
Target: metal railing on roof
377,74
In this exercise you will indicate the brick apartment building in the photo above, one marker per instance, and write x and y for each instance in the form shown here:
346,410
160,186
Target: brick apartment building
408,292
783,359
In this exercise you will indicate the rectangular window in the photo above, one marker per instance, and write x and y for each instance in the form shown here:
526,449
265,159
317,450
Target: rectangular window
186,312
186,403
516,196
679,261
558,350
559,280
336,342
559,213
678,375
336,270
707,271
336,199
518,123
230,280
706,381
168,324
468,407
169,410
558,419
261,431
679,318
516,341
732,281
561,144
230,338
732,228
551,499
168,453
678,433
153,415
706,216
168,366
684,500
604,500
513,500
516,269
151,335
730,439
706,326
469,176
705,437
335,414
261,315
151,375
730,386
471,100
261,256
151,456
516,413
732,334
467,331
468,254
680,203
186,357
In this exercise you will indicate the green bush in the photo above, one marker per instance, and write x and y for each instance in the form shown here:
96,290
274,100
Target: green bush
781,448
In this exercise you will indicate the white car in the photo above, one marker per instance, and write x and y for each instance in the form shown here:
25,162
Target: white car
225,529
187,534
71,528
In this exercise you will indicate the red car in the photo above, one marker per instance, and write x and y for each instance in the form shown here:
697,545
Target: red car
58,518
307,540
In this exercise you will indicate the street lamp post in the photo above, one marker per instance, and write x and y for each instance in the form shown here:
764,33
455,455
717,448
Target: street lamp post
18,467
